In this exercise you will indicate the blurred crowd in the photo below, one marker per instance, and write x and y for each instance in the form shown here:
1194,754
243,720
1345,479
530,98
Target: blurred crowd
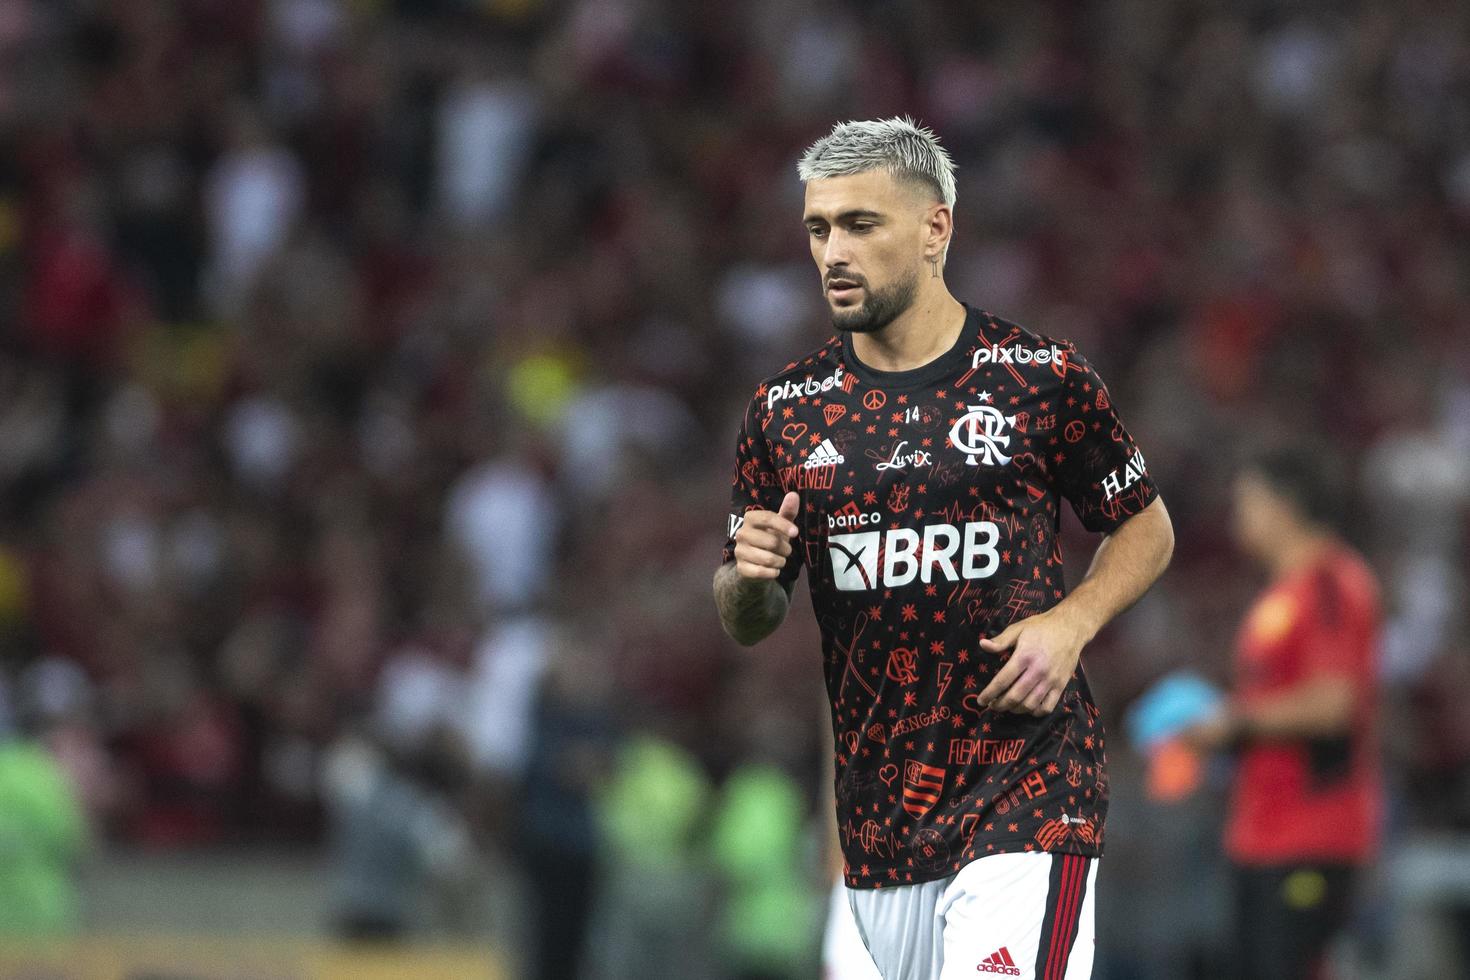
370,372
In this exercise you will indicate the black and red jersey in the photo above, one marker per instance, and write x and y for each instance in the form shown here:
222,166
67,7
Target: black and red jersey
930,512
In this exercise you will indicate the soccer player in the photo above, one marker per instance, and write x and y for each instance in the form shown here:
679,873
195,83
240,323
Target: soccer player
1304,813
915,464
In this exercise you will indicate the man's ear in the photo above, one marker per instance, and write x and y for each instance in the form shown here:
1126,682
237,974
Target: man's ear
939,228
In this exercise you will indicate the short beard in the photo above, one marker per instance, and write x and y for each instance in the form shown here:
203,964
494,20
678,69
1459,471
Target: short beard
880,308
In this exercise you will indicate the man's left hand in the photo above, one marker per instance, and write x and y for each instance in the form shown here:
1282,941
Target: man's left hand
1045,652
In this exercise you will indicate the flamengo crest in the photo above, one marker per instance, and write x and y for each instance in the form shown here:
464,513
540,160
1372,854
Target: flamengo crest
980,435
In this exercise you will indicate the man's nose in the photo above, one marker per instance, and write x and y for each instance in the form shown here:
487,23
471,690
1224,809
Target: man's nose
835,252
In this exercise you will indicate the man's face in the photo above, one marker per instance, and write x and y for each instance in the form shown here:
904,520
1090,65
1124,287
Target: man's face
1259,514
867,235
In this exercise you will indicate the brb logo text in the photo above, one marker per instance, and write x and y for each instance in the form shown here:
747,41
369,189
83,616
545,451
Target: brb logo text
874,559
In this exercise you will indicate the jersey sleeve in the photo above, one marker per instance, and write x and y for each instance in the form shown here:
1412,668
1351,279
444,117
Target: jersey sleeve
756,485
1098,466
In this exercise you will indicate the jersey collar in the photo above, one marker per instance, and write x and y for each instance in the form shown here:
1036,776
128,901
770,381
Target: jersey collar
951,362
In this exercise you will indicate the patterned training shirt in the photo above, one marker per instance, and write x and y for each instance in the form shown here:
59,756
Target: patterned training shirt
930,512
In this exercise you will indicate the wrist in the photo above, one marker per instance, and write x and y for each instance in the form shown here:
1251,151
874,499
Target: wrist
751,589
1078,618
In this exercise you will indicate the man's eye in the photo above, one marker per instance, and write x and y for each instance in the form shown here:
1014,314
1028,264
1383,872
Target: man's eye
862,226
817,231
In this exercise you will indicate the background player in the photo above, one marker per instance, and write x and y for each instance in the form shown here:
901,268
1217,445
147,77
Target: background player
915,463
1305,810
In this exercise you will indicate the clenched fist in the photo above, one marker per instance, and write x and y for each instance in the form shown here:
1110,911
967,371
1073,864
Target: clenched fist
763,542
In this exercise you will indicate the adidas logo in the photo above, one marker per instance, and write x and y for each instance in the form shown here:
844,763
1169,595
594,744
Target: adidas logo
999,962
825,454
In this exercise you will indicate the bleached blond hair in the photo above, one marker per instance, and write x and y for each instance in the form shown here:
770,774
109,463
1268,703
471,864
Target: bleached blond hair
900,146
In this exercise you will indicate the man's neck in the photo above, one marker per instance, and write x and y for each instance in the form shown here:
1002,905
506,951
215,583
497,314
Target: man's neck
1298,550
927,329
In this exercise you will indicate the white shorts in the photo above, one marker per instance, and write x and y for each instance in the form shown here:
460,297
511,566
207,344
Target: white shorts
1027,915
844,957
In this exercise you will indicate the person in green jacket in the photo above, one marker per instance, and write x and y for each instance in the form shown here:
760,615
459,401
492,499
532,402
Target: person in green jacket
760,843
43,832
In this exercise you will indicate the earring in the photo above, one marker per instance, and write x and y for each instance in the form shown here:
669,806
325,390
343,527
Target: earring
933,268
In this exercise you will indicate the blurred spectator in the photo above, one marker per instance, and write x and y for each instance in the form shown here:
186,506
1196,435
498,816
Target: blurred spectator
769,925
403,851
252,198
503,519
558,843
57,699
43,825
656,901
485,135
1307,800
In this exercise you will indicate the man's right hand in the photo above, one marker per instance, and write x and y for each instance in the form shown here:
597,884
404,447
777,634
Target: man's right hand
763,542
